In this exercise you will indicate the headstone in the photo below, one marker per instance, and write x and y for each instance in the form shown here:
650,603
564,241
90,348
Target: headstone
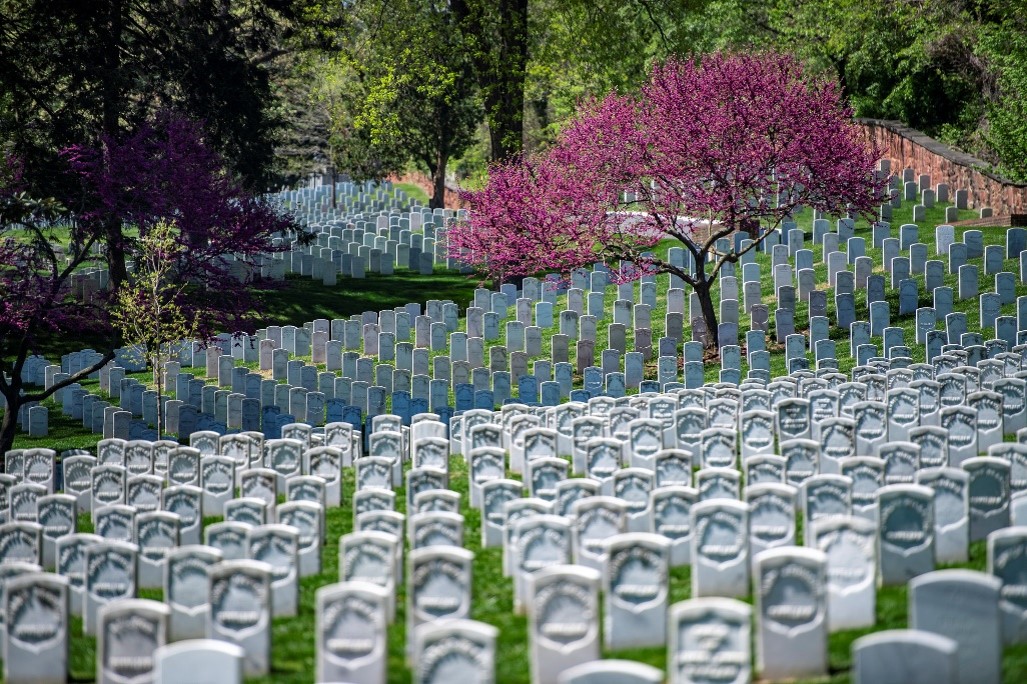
906,524
110,575
37,629
185,590
439,585
989,495
904,656
240,611
791,610
635,582
850,546
710,641
962,605
951,511
720,553
199,661
130,631
350,633
455,650
563,620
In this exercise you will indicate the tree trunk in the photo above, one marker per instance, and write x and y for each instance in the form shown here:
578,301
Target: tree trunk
116,258
541,109
111,123
506,129
500,56
9,428
438,181
704,293
159,376
514,54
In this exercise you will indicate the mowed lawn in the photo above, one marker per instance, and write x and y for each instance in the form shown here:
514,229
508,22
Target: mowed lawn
301,299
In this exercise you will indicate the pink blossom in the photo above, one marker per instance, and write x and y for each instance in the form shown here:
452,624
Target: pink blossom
707,147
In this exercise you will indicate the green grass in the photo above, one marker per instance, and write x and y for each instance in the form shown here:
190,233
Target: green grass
414,192
303,300
293,656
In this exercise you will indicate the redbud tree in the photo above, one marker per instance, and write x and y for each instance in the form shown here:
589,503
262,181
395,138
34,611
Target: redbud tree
128,185
708,147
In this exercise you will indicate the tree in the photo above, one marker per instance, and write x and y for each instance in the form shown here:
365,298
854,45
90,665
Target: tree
512,233
734,142
571,55
940,67
150,310
338,88
163,171
497,41
34,287
71,72
400,90
1005,46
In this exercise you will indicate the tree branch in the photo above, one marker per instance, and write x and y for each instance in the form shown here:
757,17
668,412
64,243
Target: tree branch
85,372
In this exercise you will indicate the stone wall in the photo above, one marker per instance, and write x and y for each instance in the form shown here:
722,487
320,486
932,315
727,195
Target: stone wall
909,148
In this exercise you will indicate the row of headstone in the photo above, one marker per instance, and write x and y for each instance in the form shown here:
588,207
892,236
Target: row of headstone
542,537
245,409
315,203
530,386
376,472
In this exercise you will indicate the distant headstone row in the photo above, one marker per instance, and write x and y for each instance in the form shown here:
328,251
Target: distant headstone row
884,493
416,359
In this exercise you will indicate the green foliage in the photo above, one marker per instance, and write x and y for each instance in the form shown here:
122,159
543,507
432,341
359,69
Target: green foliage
953,70
1006,46
148,312
949,69
574,54
71,71
400,89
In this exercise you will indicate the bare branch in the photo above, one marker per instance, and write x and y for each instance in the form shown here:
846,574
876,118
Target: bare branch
75,377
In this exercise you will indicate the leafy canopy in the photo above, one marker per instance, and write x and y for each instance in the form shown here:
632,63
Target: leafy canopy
704,149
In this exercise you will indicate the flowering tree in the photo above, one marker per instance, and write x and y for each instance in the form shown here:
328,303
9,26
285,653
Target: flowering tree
35,278
511,232
708,147
163,171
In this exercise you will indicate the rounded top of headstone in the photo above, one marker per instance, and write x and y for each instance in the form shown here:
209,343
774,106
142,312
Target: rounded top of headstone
955,576
610,671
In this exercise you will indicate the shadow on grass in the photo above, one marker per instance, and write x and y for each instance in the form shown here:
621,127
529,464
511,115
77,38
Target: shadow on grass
303,299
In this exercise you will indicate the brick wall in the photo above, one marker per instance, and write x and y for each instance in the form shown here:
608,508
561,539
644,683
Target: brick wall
909,148
422,180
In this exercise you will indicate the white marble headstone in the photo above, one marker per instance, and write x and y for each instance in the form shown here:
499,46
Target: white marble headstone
563,620
240,611
350,633
710,642
185,585
37,629
198,661
791,613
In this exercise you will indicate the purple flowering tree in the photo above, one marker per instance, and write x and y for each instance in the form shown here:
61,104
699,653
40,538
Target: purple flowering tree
163,171
707,148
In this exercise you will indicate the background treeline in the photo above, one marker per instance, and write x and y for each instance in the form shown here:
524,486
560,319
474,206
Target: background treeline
423,81
372,87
